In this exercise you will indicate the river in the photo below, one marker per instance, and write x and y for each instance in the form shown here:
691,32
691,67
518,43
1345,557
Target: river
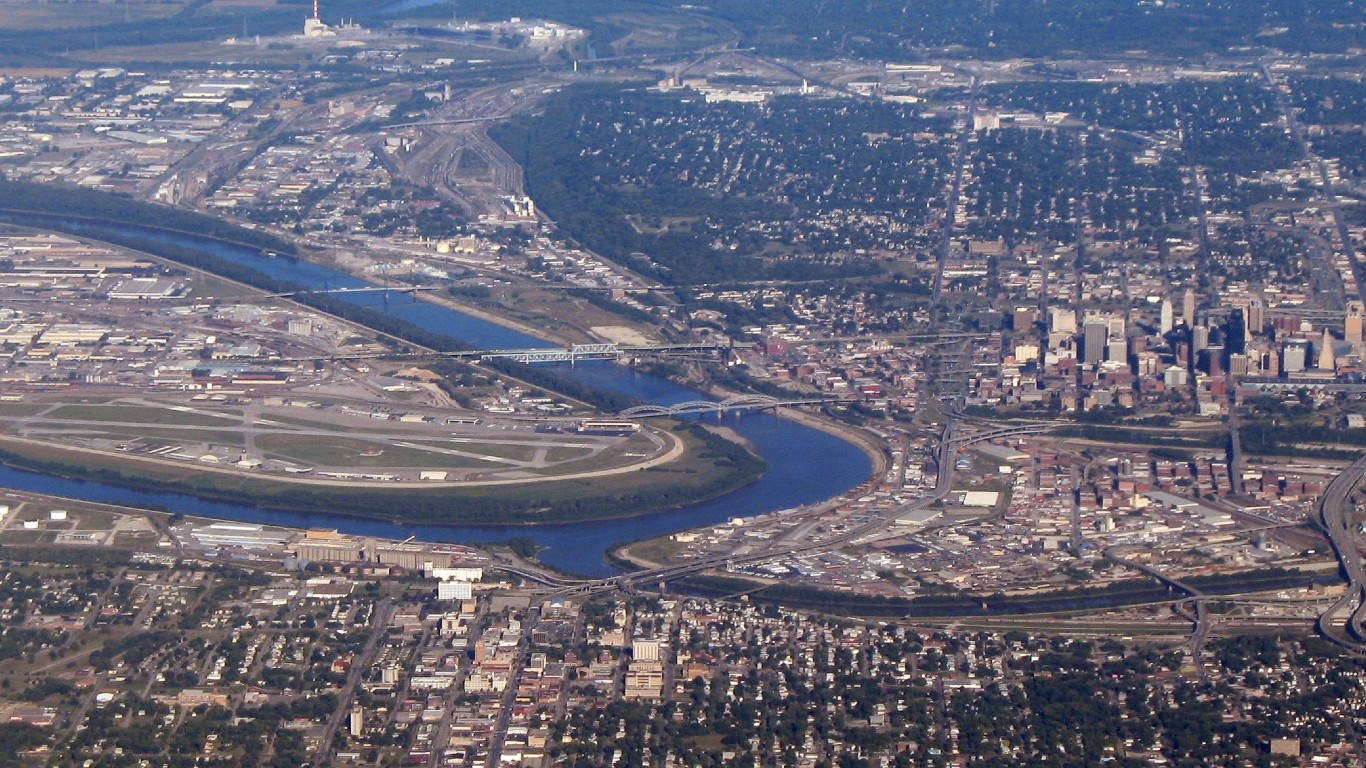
805,464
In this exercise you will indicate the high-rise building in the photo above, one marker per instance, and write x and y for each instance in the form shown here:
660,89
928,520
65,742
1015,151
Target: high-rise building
1166,320
1188,308
1327,361
1256,316
1062,320
454,590
1094,336
1212,360
1293,355
1353,322
645,649
1117,350
1236,335
1199,338
358,721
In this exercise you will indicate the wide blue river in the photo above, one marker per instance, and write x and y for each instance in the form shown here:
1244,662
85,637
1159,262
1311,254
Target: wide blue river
805,464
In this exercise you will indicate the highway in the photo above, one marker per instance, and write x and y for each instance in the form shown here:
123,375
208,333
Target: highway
1235,452
1333,514
1200,620
948,448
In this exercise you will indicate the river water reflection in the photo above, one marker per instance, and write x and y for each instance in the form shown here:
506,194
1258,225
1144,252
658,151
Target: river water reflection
806,464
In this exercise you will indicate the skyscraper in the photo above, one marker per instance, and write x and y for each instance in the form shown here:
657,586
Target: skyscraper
1094,336
1199,338
1327,361
1167,320
1188,308
1256,316
1353,322
1293,355
1236,332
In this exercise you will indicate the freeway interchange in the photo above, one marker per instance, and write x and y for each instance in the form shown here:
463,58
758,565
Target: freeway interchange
1333,511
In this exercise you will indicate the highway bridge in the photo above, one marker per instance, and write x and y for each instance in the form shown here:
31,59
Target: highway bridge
737,403
453,121
629,581
578,352
1200,620
568,354
961,441
1295,385
1332,510
409,289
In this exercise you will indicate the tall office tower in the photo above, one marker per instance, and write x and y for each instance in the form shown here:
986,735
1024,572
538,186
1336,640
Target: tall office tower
1353,322
1327,361
357,720
1236,333
1293,355
1199,337
1117,350
1188,308
1093,341
1062,320
1213,360
1256,316
1167,320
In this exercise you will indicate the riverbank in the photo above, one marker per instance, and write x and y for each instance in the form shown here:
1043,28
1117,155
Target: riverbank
644,554
576,545
876,452
704,468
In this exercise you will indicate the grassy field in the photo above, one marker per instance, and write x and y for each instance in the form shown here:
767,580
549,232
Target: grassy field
348,452
657,550
496,450
557,455
142,414
686,480
37,15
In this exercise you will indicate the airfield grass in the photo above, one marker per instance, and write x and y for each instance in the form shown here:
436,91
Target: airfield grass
523,452
560,454
28,15
147,435
347,452
141,414
21,409
701,473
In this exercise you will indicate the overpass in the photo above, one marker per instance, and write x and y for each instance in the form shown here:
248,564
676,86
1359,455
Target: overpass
452,121
961,441
1332,509
1294,385
628,581
737,403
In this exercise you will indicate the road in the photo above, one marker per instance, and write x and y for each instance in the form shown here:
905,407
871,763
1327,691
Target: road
1333,514
1328,194
955,190
1235,451
1200,619
945,456
379,623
